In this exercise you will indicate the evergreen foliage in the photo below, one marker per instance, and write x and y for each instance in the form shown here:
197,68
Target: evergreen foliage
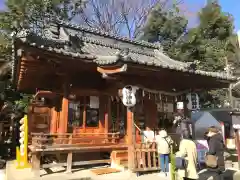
212,42
165,27
34,15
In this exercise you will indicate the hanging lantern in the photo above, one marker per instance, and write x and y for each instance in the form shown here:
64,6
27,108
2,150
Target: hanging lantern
129,98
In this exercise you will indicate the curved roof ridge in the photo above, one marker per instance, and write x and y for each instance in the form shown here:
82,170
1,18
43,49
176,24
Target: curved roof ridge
109,35
160,54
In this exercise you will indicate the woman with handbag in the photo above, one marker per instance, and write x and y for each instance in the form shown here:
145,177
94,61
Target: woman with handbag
164,143
188,153
215,156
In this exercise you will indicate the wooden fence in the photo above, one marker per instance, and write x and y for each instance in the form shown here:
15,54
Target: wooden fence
69,139
146,157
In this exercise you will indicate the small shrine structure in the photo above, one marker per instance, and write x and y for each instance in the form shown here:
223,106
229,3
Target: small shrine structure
77,75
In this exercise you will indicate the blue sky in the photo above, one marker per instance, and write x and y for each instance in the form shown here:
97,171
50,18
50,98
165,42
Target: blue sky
231,6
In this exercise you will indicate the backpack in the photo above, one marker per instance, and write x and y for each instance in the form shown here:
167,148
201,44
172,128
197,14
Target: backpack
180,163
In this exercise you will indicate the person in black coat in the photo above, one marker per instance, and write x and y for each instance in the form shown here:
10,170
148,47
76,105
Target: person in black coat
216,148
206,137
183,125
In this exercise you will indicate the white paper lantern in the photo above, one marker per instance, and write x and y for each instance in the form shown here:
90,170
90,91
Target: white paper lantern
22,127
22,150
21,140
22,134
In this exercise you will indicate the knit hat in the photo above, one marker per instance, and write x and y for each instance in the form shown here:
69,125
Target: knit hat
163,133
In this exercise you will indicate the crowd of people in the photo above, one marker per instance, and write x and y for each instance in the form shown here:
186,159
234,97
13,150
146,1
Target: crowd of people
186,161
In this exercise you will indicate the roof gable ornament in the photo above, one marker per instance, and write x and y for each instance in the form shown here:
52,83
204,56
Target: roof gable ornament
76,43
123,54
192,66
51,31
120,55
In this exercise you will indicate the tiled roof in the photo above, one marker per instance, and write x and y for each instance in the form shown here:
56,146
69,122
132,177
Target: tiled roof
104,48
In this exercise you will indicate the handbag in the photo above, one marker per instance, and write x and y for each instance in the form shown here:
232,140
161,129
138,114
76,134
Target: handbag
180,163
211,161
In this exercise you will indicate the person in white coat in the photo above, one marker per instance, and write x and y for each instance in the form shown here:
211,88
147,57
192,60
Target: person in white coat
148,135
164,143
188,151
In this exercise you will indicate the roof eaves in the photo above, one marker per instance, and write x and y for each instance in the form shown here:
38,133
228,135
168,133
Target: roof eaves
60,50
114,60
60,46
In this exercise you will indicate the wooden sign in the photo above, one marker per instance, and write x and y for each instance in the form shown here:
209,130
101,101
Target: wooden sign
180,105
94,102
168,107
236,121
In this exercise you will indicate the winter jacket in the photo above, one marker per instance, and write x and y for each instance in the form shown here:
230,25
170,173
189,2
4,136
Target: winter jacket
216,147
163,144
188,151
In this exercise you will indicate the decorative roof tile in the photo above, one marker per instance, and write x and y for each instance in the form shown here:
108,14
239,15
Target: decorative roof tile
104,48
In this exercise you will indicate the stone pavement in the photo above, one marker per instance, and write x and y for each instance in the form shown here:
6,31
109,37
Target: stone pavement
78,174
83,174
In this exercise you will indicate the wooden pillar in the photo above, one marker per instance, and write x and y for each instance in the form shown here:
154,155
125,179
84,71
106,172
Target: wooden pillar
84,114
64,113
129,126
150,113
137,132
107,117
69,158
36,164
153,115
54,117
130,138
101,113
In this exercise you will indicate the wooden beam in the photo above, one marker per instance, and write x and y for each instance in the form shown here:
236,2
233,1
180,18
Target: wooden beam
112,70
48,94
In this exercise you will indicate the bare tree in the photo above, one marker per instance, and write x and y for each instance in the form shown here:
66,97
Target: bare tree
122,17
